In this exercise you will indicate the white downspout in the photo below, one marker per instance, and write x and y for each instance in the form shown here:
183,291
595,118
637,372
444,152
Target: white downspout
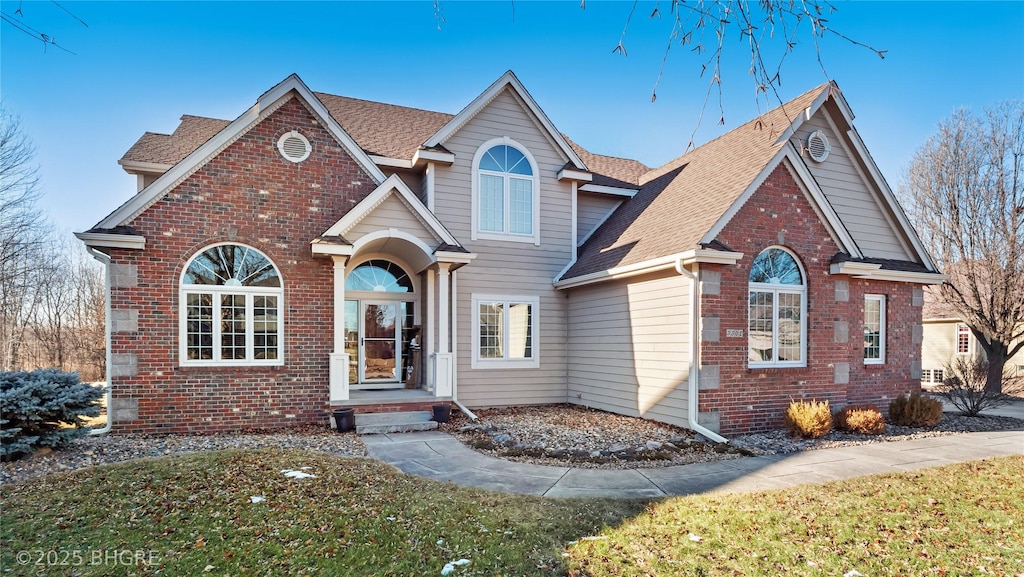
105,259
694,380
455,348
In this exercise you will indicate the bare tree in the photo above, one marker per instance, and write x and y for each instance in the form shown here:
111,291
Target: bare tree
22,229
965,190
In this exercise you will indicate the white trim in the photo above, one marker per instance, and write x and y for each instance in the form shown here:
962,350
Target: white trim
429,182
882,328
430,156
134,167
428,332
505,363
454,257
575,175
267,103
328,248
96,239
307,148
505,235
508,79
956,340
612,190
826,214
574,218
216,291
391,162
775,289
443,302
392,184
598,224
876,272
686,258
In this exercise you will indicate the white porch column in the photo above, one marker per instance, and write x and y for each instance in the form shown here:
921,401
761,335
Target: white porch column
443,369
339,359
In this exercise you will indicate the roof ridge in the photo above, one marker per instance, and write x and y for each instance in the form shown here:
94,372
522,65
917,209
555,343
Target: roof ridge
657,171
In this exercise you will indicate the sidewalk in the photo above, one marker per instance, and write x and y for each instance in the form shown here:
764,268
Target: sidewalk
440,456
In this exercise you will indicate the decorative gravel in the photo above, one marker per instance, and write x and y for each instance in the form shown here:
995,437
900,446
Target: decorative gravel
99,449
565,435
588,438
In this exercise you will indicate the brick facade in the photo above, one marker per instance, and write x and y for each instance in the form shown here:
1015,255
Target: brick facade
251,195
752,400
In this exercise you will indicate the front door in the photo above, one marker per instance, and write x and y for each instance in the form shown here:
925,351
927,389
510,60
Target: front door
380,343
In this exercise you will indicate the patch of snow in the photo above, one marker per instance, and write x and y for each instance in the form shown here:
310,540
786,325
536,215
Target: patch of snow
451,565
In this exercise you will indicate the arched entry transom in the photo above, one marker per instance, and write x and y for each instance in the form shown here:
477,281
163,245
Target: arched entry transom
380,316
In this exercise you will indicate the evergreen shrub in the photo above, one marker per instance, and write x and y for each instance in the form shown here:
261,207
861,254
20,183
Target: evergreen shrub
43,408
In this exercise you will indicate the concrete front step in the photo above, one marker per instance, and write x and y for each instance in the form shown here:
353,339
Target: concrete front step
394,422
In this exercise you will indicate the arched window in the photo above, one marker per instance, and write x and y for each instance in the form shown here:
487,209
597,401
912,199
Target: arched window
777,311
231,308
379,276
505,195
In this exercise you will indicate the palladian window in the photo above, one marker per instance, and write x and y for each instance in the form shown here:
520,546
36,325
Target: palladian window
231,308
777,310
505,199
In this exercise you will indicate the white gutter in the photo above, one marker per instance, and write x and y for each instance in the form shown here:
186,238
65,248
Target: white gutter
694,379
455,347
106,293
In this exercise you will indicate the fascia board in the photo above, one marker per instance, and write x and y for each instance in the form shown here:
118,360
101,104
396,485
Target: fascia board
455,257
872,271
613,190
890,198
484,98
388,161
133,167
332,249
106,240
652,265
578,175
424,156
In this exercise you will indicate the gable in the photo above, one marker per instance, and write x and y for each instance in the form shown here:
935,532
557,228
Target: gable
267,104
395,213
853,196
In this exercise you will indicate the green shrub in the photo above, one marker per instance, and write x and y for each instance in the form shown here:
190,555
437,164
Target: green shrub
915,411
862,419
34,405
809,419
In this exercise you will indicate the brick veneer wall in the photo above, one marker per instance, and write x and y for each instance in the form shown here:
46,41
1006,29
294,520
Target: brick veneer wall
748,400
248,194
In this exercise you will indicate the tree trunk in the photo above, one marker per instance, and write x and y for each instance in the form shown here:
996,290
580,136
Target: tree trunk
996,360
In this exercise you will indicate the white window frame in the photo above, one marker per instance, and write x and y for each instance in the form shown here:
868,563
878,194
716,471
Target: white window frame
881,331
477,233
216,292
776,290
506,363
956,339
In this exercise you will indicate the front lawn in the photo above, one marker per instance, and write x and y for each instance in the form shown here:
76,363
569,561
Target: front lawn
195,515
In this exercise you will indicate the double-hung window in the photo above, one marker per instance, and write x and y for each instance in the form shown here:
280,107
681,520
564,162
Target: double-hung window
505,195
231,308
777,311
874,329
505,331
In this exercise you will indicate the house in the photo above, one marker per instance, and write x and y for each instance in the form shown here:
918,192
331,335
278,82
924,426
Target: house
947,337
320,251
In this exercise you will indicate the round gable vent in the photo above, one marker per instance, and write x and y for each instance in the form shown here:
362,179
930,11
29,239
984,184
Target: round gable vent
294,147
818,146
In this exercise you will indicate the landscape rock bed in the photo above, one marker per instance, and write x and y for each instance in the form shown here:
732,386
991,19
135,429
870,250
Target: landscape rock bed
100,449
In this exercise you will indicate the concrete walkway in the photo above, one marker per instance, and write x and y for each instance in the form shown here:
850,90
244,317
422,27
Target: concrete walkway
440,456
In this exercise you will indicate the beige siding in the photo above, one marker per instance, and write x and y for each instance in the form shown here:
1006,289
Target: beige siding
591,210
509,268
853,198
412,177
939,347
629,347
392,213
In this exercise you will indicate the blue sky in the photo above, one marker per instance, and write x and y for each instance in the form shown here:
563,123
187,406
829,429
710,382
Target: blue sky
140,65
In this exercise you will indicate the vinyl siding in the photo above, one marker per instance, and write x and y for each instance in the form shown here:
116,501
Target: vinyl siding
629,347
850,194
591,210
938,347
509,268
392,213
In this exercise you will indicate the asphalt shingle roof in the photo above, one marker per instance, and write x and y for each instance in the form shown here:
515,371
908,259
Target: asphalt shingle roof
679,202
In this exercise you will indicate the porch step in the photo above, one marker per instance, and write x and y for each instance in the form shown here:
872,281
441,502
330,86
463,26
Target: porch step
394,422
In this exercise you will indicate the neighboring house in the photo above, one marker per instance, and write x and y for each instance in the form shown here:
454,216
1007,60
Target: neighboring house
283,263
947,337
